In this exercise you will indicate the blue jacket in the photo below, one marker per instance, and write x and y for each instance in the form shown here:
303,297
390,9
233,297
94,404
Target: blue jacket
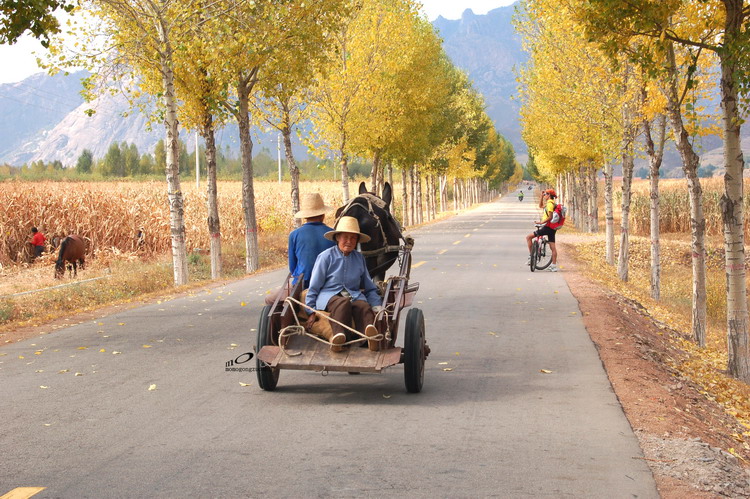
334,272
305,244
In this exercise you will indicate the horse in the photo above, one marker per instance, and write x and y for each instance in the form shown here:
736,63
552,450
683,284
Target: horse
375,220
72,250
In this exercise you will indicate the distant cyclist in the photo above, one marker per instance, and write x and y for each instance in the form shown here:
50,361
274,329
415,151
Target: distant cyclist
547,203
520,195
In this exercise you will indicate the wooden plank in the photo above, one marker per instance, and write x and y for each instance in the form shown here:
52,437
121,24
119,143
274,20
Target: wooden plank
269,354
389,357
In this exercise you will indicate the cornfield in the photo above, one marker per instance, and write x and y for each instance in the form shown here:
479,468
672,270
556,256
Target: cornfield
110,215
674,206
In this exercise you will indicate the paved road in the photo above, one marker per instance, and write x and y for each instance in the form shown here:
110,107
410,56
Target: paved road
162,417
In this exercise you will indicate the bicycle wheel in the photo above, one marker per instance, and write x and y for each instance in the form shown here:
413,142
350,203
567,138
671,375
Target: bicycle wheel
545,255
534,255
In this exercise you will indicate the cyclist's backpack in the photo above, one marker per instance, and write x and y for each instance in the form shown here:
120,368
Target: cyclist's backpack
558,217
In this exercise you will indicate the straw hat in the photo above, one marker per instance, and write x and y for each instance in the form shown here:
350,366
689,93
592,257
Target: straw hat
311,205
347,224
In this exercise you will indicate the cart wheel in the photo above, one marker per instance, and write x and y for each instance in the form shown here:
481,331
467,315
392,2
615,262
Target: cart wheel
267,376
414,351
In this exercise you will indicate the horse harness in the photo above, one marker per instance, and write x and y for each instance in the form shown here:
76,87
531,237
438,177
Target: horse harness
373,200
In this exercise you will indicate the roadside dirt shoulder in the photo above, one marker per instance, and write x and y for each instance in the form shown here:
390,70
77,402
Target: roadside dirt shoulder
681,432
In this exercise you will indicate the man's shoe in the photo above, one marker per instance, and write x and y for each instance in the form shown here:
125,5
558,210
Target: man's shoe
336,342
552,268
373,345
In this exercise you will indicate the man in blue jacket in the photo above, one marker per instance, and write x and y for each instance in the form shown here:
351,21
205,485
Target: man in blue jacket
308,241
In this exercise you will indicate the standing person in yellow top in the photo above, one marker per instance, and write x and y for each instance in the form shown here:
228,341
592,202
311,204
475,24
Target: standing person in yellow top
547,203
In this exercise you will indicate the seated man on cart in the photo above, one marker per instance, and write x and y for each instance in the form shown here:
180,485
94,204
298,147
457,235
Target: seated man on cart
308,241
341,285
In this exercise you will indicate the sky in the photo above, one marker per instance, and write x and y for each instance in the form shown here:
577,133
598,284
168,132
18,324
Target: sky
18,60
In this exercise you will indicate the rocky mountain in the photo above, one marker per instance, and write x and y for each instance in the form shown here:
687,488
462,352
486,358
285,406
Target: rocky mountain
488,49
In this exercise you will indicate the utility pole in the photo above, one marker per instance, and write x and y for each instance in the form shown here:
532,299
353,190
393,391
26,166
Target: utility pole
278,153
197,164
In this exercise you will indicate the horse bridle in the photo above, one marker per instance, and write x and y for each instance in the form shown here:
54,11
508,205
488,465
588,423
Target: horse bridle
369,198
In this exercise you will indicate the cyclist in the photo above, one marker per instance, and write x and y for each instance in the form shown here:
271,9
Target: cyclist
520,195
547,203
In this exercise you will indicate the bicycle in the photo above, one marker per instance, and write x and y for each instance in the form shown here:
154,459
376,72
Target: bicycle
541,253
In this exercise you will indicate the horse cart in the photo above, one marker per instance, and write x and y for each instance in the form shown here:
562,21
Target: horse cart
283,342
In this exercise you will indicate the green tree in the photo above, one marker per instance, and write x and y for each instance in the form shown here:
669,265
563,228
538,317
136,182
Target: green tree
35,16
85,162
113,164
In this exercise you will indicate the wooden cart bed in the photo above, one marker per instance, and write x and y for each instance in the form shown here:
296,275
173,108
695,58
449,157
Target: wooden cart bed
317,356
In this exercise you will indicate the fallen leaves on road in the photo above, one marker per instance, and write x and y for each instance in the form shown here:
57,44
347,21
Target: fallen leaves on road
152,387
545,371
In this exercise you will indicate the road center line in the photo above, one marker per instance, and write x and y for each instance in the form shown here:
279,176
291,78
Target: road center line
22,492
442,251
418,264
457,242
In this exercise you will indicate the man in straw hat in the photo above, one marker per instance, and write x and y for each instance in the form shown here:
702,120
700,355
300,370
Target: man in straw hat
308,241
341,285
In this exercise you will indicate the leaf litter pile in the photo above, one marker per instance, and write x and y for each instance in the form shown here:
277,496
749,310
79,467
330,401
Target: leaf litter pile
692,419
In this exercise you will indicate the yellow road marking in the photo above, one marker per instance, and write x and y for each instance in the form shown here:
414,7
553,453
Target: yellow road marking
442,251
22,492
457,242
414,266
467,235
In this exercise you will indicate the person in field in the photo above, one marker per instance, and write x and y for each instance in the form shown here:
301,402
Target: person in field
308,241
37,242
341,285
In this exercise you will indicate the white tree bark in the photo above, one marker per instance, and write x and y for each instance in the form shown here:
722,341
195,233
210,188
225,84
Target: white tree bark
690,162
609,214
174,190
732,210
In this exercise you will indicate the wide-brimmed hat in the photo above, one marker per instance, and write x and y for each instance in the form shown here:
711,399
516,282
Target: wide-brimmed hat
311,205
349,225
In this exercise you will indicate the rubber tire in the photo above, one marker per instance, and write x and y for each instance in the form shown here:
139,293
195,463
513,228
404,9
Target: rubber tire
534,249
414,348
542,262
267,377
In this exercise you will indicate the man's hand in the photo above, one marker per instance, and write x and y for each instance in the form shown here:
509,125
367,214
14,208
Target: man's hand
311,320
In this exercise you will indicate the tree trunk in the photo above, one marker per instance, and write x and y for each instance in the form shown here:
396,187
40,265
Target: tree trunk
455,194
252,260
609,214
344,162
628,137
655,154
214,225
443,192
418,195
286,132
390,174
172,146
731,204
690,162
406,219
593,201
375,172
